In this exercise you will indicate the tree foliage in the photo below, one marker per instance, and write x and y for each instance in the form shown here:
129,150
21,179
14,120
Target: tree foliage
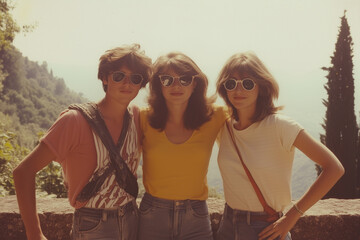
31,92
341,131
8,29
11,153
31,98
28,90
50,180
358,163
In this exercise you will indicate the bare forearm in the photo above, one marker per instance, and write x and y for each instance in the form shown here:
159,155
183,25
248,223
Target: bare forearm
332,169
25,192
326,180
320,187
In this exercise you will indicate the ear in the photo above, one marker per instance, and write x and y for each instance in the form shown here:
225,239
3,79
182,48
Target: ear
105,80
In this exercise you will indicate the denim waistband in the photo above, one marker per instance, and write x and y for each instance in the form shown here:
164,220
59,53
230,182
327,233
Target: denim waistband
229,211
170,204
247,216
100,212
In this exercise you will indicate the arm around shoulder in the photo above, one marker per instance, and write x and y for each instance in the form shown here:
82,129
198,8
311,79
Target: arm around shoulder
24,179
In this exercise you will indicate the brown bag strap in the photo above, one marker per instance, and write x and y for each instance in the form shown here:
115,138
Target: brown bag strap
260,196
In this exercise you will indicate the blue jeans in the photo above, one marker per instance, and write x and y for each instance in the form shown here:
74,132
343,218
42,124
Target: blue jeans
238,225
162,219
93,223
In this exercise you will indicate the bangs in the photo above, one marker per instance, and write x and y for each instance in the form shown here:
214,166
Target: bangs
176,65
132,62
240,66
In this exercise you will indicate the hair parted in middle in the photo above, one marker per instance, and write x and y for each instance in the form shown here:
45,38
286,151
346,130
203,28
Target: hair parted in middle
127,55
249,63
199,108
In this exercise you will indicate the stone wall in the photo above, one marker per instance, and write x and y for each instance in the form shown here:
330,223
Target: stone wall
331,219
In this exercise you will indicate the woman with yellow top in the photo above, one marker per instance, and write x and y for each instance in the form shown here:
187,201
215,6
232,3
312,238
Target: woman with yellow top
179,129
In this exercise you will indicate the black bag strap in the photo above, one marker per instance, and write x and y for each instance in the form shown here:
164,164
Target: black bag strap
124,176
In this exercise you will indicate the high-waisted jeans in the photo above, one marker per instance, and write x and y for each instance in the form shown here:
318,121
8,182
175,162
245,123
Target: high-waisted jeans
162,219
106,224
240,225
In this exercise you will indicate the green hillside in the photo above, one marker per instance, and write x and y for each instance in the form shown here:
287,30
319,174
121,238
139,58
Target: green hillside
31,98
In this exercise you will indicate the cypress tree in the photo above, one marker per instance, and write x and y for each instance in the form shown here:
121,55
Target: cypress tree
341,131
358,165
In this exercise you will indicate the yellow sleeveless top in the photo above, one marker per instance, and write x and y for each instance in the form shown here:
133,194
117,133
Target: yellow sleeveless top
178,171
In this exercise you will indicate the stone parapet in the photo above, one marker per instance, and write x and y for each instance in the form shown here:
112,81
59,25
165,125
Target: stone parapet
330,219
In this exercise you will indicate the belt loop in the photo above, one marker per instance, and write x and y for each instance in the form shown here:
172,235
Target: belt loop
104,216
121,211
135,208
134,204
234,218
248,217
188,205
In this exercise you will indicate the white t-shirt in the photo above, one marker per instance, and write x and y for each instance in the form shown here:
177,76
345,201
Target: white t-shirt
267,149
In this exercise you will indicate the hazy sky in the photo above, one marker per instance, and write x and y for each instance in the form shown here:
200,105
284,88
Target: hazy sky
295,38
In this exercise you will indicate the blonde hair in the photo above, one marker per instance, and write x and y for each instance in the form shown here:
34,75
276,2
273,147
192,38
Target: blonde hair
249,63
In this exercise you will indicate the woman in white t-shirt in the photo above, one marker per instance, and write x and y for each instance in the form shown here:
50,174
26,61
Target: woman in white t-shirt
266,141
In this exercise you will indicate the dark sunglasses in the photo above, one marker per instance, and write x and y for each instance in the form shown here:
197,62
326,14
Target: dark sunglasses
247,83
135,78
167,80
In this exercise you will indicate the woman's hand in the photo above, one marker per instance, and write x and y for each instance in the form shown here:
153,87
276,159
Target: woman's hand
39,236
281,227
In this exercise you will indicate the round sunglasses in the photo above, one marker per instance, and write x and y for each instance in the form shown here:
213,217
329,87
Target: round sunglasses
135,78
167,80
247,83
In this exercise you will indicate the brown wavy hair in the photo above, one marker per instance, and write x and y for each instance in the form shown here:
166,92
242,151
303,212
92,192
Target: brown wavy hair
127,55
198,110
249,63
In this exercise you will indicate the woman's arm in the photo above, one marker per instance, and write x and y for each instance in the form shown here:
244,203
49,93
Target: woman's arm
24,178
332,170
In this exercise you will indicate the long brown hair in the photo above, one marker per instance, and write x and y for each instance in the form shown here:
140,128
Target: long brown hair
249,63
198,110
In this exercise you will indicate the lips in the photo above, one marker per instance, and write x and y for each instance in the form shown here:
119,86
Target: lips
176,94
126,91
239,98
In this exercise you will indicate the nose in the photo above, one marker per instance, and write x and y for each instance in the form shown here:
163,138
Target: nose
126,80
239,87
176,82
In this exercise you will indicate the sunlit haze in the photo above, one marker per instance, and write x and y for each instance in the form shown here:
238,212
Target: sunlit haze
294,38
